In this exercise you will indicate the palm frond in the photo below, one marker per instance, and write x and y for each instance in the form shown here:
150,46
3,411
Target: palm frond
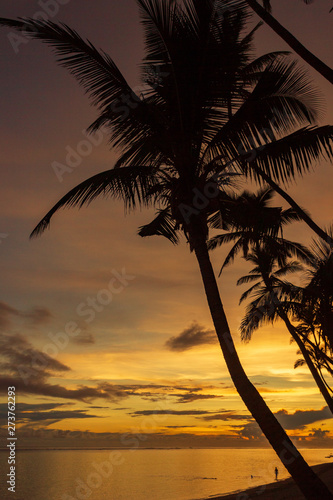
238,246
158,20
132,184
282,98
94,70
162,225
248,278
289,268
299,362
258,313
294,154
248,292
221,239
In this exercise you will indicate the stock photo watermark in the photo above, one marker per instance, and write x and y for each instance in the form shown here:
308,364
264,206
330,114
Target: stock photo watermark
121,109
48,10
11,445
74,156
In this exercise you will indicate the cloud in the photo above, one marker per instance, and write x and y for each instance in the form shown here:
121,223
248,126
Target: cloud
319,433
192,336
226,415
190,397
179,426
104,408
301,418
29,370
289,421
27,407
51,417
140,413
20,358
48,413
84,338
250,431
6,312
81,393
54,438
35,316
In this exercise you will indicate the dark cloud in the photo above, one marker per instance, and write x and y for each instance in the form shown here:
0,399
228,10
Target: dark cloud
186,388
248,435
35,316
301,418
319,433
225,416
179,426
289,421
51,417
140,413
82,393
53,438
30,369
250,431
27,407
20,358
192,336
84,338
103,408
190,397
6,312
47,413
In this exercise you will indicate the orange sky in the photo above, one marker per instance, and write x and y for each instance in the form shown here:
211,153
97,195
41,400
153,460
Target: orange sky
117,374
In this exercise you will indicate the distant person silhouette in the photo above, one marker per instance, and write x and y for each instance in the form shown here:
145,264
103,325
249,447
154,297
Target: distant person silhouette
276,470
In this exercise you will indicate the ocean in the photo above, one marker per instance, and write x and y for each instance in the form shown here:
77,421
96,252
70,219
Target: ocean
143,474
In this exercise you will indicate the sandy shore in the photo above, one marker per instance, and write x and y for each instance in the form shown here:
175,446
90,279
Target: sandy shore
280,490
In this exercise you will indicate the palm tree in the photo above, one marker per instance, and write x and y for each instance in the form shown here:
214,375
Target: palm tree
264,13
256,229
317,296
312,305
249,220
268,306
204,99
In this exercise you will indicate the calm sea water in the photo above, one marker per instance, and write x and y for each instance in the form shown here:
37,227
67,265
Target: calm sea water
189,474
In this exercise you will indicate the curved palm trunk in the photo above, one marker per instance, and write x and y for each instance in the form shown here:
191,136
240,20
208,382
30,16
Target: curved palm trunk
310,485
306,218
293,332
302,51
314,372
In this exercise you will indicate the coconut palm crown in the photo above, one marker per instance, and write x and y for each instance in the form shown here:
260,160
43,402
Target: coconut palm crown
206,107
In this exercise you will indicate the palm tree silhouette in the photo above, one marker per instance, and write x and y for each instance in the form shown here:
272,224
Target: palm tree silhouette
312,304
264,12
256,228
269,304
207,111
250,220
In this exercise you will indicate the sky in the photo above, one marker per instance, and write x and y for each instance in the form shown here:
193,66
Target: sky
105,335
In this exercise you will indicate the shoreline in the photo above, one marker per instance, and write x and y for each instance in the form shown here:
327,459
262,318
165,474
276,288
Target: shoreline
285,489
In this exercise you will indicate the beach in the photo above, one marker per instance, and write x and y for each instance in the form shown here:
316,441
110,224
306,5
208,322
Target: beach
280,490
